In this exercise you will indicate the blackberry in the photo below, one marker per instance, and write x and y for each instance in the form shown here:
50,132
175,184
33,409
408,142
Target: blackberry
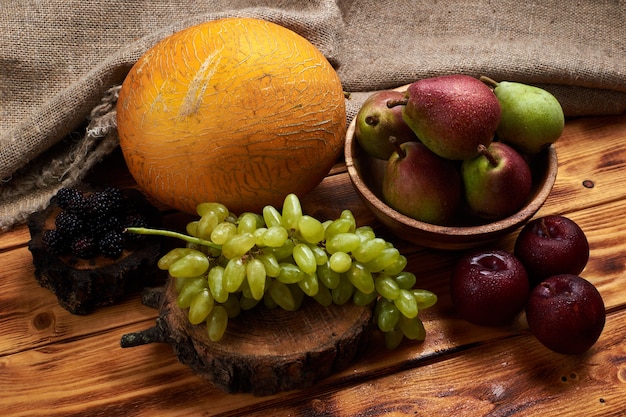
69,224
65,196
112,244
55,242
84,247
105,203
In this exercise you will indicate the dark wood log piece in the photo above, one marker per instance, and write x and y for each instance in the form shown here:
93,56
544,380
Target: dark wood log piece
82,285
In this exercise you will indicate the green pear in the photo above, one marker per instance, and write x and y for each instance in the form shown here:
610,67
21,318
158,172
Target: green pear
376,122
422,185
451,114
532,118
497,183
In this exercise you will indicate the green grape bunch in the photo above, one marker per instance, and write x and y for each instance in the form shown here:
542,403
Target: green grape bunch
232,263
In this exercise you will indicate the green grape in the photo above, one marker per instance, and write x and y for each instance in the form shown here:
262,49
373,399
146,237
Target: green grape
340,262
337,226
292,212
284,251
304,258
247,223
328,277
268,301
206,224
200,307
234,274
192,228
321,256
179,283
258,236
396,267
388,316
247,303
412,328
387,257
290,273
272,217
275,236
361,299
223,232
219,209
172,256
311,229
231,305
282,295
343,293
348,215
255,272
405,279
244,289
361,278
193,264
387,287
369,250
343,242
298,294
189,290
309,284
238,245
323,296
272,267
216,284
216,323
406,303
393,338
365,233
424,298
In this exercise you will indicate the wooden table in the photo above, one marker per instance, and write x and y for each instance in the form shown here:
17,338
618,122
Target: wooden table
54,363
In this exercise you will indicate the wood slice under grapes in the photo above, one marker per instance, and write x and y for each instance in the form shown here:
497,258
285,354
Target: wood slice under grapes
263,351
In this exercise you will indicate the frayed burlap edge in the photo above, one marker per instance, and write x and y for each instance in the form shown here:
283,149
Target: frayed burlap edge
34,185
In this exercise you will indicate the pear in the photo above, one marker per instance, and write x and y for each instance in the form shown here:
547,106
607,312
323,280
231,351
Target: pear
451,114
497,182
532,118
376,122
420,184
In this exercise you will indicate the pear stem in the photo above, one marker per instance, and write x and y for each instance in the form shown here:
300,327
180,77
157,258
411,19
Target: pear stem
489,81
398,102
396,146
485,152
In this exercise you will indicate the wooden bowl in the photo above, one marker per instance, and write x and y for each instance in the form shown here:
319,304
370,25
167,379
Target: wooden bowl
366,174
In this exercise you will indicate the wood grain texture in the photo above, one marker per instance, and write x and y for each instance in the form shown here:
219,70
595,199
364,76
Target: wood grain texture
57,364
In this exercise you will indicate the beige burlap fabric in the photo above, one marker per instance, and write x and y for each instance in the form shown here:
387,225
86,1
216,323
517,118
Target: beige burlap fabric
61,61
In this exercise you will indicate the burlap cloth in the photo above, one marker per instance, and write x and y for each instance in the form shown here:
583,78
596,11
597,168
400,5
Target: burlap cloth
60,62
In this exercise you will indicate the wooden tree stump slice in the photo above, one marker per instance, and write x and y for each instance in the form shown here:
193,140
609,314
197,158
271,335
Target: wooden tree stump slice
263,351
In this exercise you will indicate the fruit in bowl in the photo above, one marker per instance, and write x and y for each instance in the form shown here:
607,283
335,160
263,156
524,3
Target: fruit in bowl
498,196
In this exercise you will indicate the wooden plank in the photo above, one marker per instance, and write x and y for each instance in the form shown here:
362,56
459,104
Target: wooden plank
30,315
516,376
94,376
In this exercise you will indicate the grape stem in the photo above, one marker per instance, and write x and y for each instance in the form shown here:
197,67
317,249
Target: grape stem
169,233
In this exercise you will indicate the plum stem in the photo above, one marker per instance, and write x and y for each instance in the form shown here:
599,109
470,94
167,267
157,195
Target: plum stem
396,146
489,81
487,154
398,102
544,228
